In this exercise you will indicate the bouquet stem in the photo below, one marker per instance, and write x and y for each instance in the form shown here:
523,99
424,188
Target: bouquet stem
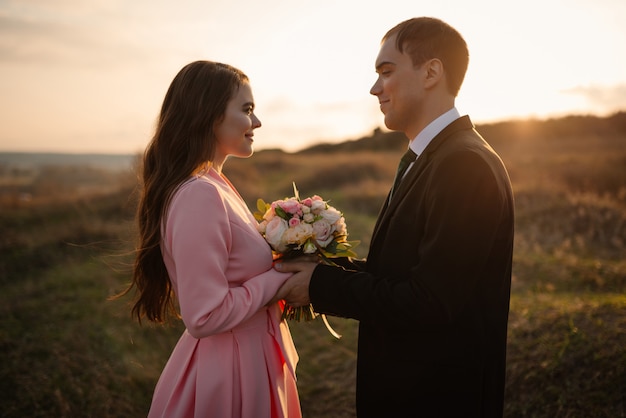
303,313
306,313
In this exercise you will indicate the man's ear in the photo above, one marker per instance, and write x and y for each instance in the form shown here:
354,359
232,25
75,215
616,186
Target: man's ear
434,72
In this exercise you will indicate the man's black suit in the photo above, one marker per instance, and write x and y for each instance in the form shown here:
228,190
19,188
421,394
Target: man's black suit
432,297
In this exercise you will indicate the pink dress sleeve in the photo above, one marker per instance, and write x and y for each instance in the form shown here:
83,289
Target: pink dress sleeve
198,248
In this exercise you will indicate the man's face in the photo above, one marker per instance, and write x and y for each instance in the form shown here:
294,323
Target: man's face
399,88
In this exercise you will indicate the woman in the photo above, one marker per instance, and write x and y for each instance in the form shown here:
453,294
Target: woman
199,244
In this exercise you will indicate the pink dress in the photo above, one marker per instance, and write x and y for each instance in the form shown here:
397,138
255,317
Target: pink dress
236,357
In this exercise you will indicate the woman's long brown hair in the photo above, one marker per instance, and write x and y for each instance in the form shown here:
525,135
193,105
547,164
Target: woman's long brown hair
183,144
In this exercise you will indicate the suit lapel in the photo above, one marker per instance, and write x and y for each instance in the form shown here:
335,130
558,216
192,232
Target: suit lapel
407,183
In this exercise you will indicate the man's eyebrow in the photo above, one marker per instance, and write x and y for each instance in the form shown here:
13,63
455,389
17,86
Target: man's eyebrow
382,64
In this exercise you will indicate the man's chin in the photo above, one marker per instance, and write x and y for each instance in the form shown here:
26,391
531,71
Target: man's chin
389,123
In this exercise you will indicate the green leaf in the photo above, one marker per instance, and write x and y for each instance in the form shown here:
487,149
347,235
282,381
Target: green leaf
280,212
340,249
262,206
331,247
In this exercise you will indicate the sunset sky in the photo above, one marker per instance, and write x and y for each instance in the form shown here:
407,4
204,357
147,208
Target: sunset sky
90,75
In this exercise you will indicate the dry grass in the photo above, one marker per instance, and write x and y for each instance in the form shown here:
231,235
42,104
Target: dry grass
69,352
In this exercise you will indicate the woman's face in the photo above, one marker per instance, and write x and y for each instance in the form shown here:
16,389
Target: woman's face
234,134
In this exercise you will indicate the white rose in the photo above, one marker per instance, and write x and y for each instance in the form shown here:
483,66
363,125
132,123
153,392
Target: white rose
299,234
274,231
340,226
331,214
309,248
262,227
317,206
269,214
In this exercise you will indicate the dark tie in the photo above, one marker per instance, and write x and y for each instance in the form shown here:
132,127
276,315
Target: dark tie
406,160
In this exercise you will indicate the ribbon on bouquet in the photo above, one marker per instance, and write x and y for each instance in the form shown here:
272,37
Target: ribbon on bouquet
329,328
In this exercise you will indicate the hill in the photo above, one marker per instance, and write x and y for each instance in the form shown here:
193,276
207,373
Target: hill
514,130
379,140
32,160
66,239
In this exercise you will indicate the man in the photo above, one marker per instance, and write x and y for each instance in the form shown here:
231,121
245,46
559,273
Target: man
432,297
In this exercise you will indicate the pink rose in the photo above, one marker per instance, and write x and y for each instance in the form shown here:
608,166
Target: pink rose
291,206
323,232
293,222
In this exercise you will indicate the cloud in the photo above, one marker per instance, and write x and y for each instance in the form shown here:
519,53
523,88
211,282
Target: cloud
67,34
36,42
606,98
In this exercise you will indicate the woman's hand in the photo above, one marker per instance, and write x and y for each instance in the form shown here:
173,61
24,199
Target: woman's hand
295,291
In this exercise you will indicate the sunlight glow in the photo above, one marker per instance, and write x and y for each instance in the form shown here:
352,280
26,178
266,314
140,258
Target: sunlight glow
91,78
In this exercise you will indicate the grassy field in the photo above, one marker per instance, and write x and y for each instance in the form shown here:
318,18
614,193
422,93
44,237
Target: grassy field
66,246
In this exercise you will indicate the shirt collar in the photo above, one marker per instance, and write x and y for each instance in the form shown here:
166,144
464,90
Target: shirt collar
421,141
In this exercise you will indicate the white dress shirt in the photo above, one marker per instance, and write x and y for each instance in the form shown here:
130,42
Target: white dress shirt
421,141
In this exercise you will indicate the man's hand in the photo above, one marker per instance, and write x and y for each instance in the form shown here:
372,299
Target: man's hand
295,291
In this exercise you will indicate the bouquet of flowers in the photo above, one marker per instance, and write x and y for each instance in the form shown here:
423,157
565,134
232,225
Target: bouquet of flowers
295,227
